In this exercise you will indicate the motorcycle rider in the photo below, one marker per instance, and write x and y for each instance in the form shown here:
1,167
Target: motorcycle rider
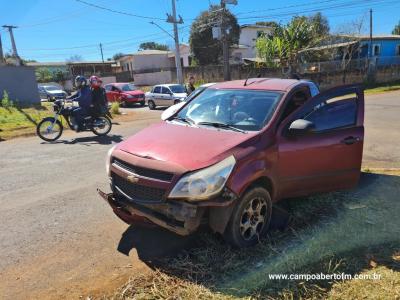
99,98
84,98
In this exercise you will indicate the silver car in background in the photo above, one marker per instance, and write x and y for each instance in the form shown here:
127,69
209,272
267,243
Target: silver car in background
51,92
165,95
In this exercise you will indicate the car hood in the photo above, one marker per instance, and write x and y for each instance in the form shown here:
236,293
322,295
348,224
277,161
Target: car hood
191,148
56,92
180,95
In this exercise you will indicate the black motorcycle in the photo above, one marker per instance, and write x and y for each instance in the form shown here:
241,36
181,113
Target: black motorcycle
51,128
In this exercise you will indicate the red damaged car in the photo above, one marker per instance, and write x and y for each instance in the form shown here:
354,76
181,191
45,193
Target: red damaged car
124,93
235,149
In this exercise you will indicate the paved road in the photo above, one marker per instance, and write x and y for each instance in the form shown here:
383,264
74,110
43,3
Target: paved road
59,240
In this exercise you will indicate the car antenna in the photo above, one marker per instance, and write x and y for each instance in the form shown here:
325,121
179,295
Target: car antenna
247,77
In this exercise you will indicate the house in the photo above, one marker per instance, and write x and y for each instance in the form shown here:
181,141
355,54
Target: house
149,67
72,69
246,49
385,49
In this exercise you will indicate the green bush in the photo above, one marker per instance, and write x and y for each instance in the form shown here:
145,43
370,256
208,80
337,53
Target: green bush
5,101
115,108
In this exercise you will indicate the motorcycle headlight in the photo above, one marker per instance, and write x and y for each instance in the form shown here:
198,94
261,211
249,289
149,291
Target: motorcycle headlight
108,160
203,184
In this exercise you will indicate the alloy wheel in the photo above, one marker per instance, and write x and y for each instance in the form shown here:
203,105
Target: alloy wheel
253,218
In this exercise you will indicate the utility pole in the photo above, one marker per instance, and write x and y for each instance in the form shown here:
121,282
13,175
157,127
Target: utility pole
224,38
370,33
101,50
14,47
1,52
172,19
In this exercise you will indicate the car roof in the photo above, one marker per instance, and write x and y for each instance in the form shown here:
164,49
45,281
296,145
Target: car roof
167,84
273,84
120,83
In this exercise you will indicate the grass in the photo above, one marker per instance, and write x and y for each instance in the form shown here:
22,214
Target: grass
355,232
382,88
16,121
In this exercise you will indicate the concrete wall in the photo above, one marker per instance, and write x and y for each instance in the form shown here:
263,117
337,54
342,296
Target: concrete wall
150,61
20,84
153,78
248,37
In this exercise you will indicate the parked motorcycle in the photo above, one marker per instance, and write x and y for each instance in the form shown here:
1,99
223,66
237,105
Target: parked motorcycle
51,128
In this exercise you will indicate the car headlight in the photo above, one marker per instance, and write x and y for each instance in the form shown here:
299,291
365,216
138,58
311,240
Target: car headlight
108,160
203,184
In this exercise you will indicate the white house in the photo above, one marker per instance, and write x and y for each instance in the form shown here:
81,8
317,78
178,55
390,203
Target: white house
247,42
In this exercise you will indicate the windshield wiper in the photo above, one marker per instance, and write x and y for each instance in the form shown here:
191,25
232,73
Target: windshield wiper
222,125
185,120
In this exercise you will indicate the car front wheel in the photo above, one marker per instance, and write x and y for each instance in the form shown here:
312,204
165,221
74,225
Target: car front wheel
250,218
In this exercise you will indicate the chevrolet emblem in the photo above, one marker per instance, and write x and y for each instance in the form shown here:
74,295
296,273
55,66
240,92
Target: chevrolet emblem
132,179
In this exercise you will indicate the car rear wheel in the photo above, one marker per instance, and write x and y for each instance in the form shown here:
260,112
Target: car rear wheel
250,218
151,104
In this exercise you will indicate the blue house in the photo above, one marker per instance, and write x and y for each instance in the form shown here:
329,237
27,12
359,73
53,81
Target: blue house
385,49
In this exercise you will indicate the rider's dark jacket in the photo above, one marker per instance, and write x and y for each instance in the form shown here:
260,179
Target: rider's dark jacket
99,99
84,98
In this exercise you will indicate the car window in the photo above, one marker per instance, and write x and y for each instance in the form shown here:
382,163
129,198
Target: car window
157,90
297,99
165,90
177,88
114,89
243,109
335,113
128,87
107,88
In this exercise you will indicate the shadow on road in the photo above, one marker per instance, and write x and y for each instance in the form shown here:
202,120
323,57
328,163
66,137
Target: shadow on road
90,140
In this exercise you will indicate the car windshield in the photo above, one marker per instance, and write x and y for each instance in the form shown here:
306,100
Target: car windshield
177,88
242,109
128,87
51,88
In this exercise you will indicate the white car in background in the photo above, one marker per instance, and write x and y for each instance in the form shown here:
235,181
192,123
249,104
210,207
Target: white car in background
170,111
165,95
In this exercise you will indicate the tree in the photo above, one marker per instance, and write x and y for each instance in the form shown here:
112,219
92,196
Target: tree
43,75
396,29
74,58
284,47
153,46
118,55
205,48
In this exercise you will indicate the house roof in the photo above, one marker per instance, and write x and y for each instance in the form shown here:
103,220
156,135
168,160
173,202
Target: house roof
46,64
152,52
331,46
255,26
380,37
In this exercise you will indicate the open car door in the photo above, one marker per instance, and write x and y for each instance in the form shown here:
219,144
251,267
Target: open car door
322,150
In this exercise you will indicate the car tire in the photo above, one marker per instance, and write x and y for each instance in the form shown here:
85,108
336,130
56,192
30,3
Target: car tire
49,99
151,105
177,101
250,218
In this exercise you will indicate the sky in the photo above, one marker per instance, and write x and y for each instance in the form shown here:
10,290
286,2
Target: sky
54,30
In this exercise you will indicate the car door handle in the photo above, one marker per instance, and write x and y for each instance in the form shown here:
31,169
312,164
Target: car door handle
350,140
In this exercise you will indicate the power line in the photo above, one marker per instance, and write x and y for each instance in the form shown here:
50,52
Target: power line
119,12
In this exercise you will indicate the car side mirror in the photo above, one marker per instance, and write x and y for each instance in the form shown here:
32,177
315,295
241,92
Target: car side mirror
300,126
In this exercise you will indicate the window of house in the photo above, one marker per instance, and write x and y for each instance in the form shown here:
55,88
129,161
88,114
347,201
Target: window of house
376,50
333,114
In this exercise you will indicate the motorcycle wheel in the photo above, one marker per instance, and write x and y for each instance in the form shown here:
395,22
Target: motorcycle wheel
101,126
48,130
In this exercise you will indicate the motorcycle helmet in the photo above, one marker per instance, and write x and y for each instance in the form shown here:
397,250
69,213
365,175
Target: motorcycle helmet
95,82
80,81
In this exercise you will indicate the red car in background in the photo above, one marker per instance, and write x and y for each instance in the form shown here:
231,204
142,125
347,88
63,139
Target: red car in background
124,93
